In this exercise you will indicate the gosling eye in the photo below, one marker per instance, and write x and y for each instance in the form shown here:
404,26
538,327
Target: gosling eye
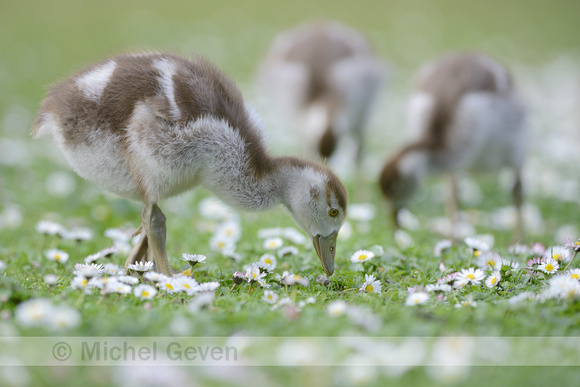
333,212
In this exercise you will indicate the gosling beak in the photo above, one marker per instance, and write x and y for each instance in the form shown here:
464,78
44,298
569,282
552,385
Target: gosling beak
325,249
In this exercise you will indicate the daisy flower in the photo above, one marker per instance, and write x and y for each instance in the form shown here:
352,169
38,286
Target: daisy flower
273,232
78,234
364,212
88,271
101,282
572,245
153,276
469,276
186,284
273,243
34,313
207,287
574,274
563,287
144,292
168,285
127,279
362,256
270,260
441,246
270,297
290,279
116,287
448,279
493,279
50,279
337,308
111,269
477,245
64,317
445,288
238,277
118,235
466,303
47,227
488,260
371,284
254,274
79,282
200,301
407,220
222,244
294,236
141,267
403,239
287,250
230,229
263,283
214,209
56,255
558,253
193,259
417,298
549,266
2,265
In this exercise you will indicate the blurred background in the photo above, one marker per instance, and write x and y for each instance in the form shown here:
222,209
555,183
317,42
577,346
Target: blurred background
43,42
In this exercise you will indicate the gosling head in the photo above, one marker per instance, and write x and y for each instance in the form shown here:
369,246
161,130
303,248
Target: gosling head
317,201
400,179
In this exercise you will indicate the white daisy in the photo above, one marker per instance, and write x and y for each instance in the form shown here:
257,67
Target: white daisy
49,228
493,279
469,276
78,234
50,279
477,245
56,255
186,284
118,235
212,208
127,279
144,292
168,285
270,297
2,265
88,270
287,250
362,256
230,229
563,287
111,269
266,233
403,239
466,303
438,288
364,212
417,298
558,253
34,312
290,279
488,260
294,236
337,308
254,274
207,287
64,317
574,274
153,276
200,301
442,246
407,220
79,282
142,266
270,260
193,259
273,243
263,283
550,266
116,287
222,244
371,284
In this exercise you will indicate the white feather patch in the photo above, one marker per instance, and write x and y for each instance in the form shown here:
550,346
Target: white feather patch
94,82
167,70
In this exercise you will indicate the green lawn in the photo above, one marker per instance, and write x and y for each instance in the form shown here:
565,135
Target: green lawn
41,43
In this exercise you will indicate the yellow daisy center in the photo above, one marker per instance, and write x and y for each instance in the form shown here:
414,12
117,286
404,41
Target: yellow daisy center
186,286
169,286
369,288
254,275
362,257
145,293
267,260
549,267
57,257
221,244
84,282
493,280
557,257
577,243
470,276
575,276
272,245
491,263
477,253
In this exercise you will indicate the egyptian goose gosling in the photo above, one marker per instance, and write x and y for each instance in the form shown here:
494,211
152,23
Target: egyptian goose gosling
148,126
327,78
470,118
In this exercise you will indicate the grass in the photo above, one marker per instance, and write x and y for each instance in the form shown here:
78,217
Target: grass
41,43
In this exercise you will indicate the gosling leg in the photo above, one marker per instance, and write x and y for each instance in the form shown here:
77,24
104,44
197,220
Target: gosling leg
139,251
518,197
154,225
